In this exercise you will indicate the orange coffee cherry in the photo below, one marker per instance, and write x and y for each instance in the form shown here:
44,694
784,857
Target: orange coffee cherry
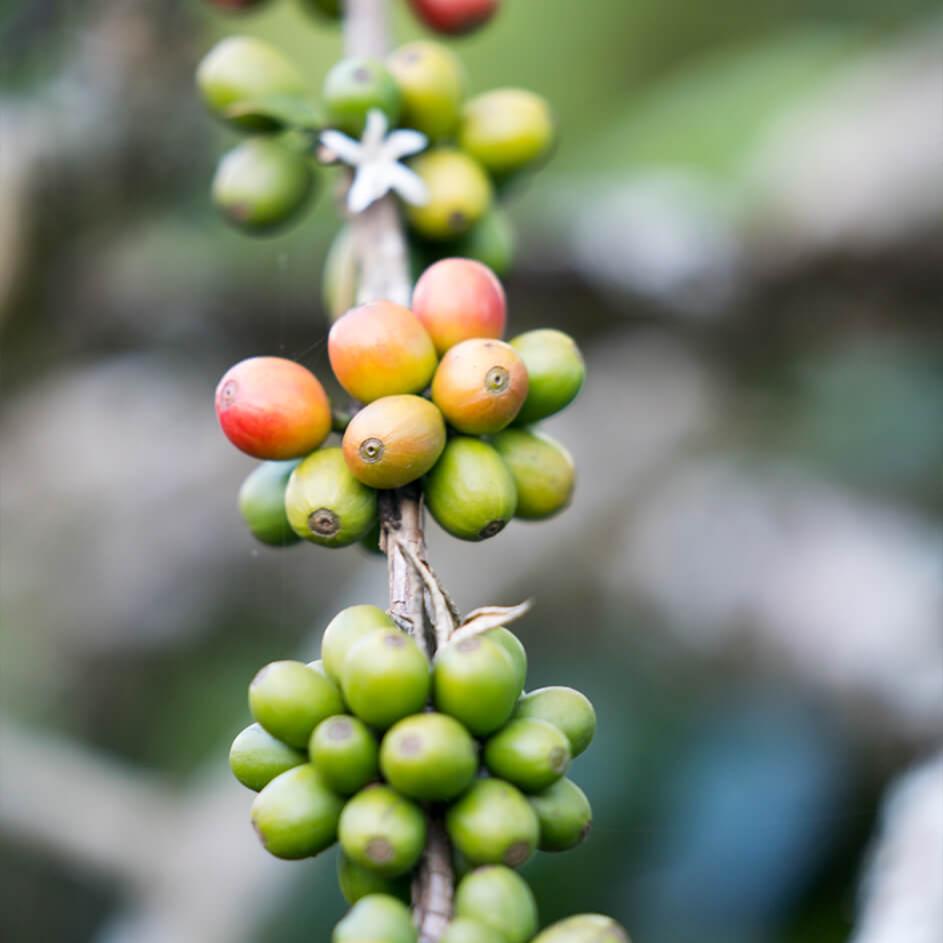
273,408
394,441
480,386
381,349
457,300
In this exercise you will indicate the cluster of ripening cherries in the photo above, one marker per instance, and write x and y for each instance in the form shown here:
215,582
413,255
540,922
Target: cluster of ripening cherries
476,146
445,401
363,745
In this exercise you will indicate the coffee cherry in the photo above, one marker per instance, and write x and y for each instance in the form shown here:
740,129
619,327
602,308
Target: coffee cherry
326,9
531,754
457,300
584,928
454,16
340,275
470,491
289,700
242,70
256,757
262,503
564,814
385,677
394,440
490,241
345,753
371,543
357,881
382,830
459,194
262,184
381,349
377,918
506,129
493,824
356,86
429,757
499,898
272,408
347,628
555,369
463,930
296,815
480,386
542,469
512,645
567,709
431,82
475,681
326,504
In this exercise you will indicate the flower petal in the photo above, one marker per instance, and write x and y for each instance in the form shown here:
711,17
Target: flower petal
370,183
408,185
374,131
404,142
347,149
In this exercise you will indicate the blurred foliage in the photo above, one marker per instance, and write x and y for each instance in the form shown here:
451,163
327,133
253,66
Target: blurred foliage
703,781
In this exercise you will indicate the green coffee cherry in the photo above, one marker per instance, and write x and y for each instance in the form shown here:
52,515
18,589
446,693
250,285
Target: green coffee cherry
357,881
296,815
382,830
470,491
340,275
385,678
261,184
564,814
555,371
429,756
289,700
506,129
345,753
326,504
256,757
531,754
476,681
460,194
500,899
463,930
356,86
565,708
262,504
377,918
242,71
371,543
583,928
431,82
512,645
493,824
491,241
347,628
542,469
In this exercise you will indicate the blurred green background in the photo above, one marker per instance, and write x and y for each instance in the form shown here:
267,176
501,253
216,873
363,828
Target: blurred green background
741,225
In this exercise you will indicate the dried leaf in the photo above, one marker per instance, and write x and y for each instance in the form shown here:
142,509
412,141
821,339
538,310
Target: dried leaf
490,617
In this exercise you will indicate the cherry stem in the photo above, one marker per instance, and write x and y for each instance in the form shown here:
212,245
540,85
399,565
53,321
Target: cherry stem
417,602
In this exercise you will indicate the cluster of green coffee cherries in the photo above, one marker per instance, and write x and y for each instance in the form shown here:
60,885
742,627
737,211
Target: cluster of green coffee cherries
447,404
365,745
476,146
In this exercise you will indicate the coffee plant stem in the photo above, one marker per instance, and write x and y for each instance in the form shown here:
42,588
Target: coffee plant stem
381,253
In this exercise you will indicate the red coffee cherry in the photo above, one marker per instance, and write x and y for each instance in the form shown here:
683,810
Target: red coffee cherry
381,349
454,16
457,300
273,408
480,386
